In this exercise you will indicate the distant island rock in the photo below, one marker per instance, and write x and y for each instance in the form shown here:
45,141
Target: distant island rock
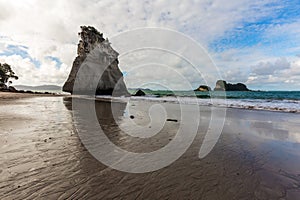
140,93
222,85
203,88
102,59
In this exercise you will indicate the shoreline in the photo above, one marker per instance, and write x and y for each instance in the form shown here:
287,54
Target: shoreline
18,95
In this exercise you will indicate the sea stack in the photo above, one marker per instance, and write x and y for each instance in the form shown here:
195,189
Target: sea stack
222,85
140,93
100,63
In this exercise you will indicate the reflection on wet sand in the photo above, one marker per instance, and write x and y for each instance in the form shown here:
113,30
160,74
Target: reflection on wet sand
44,158
108,113
268,130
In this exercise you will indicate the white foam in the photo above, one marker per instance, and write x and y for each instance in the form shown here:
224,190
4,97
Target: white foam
253,104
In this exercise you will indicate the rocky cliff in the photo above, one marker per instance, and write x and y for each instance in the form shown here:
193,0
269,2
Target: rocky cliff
100,63
222,85
203,88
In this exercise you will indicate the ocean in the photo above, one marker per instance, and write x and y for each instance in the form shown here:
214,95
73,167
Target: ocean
283,101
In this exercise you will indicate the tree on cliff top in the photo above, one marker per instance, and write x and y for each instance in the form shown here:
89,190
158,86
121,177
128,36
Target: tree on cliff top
6,73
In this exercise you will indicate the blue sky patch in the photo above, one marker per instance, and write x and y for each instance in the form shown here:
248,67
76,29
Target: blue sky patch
21,51
250,34
56,60
125,73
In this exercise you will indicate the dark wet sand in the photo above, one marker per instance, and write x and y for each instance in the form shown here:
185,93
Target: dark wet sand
42,157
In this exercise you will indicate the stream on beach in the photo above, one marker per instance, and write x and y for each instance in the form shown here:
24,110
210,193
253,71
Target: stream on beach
42,154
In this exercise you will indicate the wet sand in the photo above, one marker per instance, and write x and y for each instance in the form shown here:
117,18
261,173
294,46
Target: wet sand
42,156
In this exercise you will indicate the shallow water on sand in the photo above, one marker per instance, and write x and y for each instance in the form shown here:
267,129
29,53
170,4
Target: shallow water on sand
256,157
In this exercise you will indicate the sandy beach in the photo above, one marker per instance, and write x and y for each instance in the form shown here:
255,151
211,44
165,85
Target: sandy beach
42,156
13,96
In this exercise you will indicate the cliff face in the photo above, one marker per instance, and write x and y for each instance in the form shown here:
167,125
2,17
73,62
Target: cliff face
97,57
222,85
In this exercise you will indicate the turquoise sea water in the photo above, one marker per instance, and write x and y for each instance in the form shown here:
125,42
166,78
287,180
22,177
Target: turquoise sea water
271,95
284,101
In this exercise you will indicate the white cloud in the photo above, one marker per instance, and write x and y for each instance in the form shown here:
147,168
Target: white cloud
269,68
281,74
47,73
161,68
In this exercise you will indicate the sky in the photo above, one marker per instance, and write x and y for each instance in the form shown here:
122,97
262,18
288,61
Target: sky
249,41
